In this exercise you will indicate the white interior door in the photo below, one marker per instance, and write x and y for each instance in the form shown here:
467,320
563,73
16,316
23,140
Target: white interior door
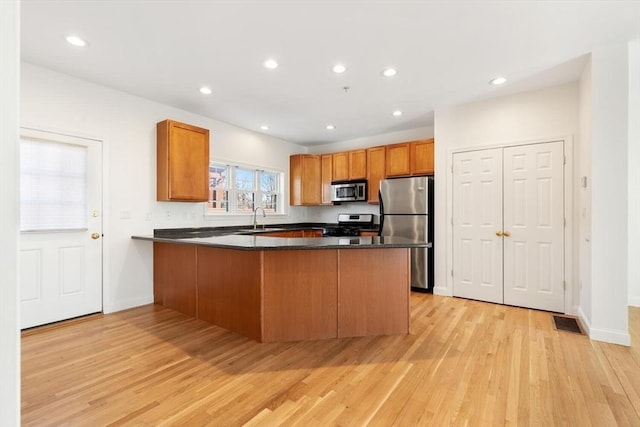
61,227
534,226
477,216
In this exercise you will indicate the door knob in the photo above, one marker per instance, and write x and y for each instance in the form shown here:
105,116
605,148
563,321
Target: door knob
95,236
499,233
507,234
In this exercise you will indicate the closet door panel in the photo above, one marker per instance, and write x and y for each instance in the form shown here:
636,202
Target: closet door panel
534,226
477,216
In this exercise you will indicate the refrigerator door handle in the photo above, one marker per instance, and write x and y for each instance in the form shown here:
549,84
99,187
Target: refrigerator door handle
381,213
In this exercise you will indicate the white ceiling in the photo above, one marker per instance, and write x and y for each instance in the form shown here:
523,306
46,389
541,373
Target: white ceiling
445,53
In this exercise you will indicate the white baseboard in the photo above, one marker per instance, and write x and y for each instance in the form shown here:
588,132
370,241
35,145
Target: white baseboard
634,301
605,335
441,290
130,303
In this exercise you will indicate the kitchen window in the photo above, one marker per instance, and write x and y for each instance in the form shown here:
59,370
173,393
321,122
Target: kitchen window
237,189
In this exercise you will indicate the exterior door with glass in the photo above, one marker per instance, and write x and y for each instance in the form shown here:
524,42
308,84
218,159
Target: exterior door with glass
61,227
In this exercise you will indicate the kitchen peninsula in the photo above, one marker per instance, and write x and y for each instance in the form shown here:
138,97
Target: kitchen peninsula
275,289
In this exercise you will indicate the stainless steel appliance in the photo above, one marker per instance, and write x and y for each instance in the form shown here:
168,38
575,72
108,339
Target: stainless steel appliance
349,191
350,225
406,210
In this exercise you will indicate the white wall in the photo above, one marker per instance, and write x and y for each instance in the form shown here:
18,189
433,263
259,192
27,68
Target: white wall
538,115
609,207
9,309
634,173
583,192
126,124
330,213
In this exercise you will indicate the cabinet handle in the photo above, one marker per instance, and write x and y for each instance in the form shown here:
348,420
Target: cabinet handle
499,233
507,234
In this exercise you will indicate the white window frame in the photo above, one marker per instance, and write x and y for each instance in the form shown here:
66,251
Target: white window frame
233,191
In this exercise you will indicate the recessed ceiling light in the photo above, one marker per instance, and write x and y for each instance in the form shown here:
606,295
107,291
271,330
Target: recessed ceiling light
498,81
270,64
330,127
339,68
397,113
205,90
76,41
264,127
389,72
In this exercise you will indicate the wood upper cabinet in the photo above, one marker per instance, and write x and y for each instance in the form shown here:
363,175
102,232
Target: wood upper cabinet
326,175
182,162
340,163
304,180
358,164
422,157
348,165
398,159
375,172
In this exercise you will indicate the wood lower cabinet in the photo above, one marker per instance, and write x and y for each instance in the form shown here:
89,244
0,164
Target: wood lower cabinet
182,162
422,157
305,180
375,172
291,233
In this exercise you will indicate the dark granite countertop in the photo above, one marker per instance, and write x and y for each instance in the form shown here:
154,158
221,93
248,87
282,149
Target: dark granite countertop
257,242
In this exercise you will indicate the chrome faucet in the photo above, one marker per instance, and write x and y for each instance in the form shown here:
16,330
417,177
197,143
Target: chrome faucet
255,214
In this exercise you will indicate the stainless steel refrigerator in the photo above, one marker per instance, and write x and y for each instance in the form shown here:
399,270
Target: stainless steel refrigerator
406,210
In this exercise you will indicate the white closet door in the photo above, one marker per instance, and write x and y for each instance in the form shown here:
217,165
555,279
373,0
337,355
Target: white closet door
477,216
534,226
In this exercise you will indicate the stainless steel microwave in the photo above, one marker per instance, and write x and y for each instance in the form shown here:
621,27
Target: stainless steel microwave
349,191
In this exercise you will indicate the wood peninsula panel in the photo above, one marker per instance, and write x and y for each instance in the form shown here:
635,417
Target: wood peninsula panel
300,295
229,293
174,277
373,292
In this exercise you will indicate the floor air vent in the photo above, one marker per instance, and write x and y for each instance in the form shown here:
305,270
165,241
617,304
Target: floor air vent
569,324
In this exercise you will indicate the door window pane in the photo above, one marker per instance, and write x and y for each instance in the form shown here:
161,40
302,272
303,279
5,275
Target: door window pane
53,185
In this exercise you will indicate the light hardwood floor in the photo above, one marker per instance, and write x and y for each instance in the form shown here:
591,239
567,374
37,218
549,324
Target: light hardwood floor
464,363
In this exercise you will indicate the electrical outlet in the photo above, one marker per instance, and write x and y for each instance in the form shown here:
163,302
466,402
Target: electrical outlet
167,215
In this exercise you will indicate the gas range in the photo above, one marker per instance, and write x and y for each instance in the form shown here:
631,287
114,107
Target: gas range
349,225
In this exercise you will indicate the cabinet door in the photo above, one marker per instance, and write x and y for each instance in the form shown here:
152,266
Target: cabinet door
340,166
304,180
326,175
375,172
358,164
422,157
182,162
398,160
477,217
